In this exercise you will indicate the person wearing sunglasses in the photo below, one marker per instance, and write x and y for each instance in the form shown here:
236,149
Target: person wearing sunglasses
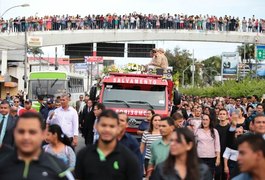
16,103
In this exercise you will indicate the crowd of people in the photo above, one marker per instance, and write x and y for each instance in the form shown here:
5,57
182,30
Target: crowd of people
203,139
133,21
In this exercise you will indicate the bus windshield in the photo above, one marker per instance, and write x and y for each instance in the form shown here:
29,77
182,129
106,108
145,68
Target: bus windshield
46,88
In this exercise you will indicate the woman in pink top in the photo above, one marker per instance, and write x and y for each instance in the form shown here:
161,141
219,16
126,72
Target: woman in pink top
48,23
208,143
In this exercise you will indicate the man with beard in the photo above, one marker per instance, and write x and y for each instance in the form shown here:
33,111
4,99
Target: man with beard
28,161
107,159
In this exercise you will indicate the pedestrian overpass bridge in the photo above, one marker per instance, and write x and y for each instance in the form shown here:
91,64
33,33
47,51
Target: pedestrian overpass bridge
53,38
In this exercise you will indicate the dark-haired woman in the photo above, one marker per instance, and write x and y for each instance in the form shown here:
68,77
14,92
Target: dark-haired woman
145,123
59,145
149,137
182,162
208,143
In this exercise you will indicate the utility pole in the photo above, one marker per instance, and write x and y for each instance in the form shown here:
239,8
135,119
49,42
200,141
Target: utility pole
183,76
244,60
56,59
91,74
88,86
193,68
25,61
256,59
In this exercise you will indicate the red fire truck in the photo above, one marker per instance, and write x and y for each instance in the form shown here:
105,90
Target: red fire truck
134,94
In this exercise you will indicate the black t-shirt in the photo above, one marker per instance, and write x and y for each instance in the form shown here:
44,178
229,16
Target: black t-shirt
121,164
223,131
46,167
5,150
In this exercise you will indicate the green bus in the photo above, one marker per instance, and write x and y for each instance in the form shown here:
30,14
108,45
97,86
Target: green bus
51,84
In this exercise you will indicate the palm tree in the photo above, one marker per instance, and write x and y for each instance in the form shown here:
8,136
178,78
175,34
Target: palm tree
36,51
246,51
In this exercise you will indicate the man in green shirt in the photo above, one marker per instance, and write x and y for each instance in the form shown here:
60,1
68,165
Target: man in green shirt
160,148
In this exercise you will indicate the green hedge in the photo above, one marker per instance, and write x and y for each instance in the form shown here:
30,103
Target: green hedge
245,87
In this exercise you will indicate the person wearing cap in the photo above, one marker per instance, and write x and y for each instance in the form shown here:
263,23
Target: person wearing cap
43,107
48,108
27,107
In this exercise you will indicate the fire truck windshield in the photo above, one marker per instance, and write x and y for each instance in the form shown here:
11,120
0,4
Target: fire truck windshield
136,98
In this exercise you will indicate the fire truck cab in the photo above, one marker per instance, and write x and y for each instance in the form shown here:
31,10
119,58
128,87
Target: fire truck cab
134,94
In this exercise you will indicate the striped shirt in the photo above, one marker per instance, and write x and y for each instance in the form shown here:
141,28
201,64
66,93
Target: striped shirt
148,139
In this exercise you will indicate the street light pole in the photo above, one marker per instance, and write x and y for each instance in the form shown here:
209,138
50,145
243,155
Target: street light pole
193,68
183,75
22,5
26,45
25,61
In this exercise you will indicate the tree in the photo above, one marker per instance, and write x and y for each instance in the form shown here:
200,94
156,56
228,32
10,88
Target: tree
35,51
180,60
249,51
211,67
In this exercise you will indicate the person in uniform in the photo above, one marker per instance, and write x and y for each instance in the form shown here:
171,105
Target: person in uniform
159,60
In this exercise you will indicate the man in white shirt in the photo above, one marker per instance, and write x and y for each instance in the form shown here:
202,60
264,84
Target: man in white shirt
67,118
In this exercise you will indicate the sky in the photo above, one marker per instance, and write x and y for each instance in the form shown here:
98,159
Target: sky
202,50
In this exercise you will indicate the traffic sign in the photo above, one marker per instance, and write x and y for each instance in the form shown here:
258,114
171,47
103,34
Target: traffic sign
97,59
192,68
34,41
260,52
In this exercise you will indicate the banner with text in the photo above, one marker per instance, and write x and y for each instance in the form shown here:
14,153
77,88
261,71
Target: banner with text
230,62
